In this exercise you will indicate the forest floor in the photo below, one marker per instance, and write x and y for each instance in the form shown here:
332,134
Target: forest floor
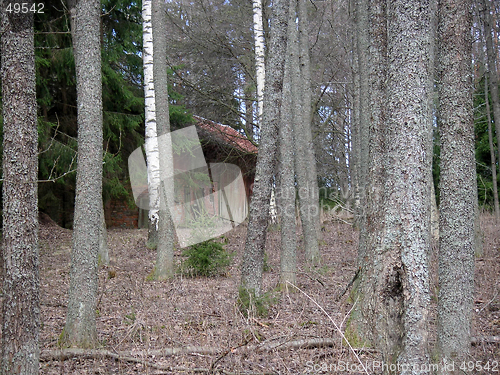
193,325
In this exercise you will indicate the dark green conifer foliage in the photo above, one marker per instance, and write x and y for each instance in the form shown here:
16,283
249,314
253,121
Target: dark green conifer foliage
123,103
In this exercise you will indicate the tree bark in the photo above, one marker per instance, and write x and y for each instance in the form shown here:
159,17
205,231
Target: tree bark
405,274
164,267
353,135
151,139
103,257
491,53
258,32
253,257
457,182
21,298
492,149
363,132
305,161
286,192
80,329
367,321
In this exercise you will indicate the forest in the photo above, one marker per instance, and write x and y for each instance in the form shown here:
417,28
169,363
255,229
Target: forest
250,187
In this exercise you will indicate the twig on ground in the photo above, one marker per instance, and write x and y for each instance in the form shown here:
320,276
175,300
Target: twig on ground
486,305
314,279
226,352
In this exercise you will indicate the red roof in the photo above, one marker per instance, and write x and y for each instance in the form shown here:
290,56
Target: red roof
227,134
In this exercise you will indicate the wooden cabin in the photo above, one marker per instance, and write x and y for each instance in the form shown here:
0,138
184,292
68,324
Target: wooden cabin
222,147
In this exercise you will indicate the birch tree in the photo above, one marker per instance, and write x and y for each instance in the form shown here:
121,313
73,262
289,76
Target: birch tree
458,188
80,329
164,267
21,284
151,139
258,35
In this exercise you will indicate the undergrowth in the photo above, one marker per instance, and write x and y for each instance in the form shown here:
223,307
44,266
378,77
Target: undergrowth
207,258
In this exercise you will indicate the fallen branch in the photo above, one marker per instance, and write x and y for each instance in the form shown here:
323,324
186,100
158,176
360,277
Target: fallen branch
298,344
64,354
133,356
485,340
226,352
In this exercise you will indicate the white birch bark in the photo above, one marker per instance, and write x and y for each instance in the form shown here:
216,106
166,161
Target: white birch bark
258,33
151,140
260,77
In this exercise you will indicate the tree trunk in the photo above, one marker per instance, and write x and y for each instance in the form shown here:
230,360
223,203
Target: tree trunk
492,148
362,47
103,257
21,298
80,329
286,192
258,34
353,136
305,161
249,91
434,217
253,257
366,323
164,267
405,274
151,139
457,182
491,53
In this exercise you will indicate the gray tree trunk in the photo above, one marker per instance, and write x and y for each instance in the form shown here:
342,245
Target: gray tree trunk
103,257
354,137
434,218
21,298
286,192
492,149
80,329
164,267
491,54
458,180
253,257
366,323
305,161
362,47
405,274
249,118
